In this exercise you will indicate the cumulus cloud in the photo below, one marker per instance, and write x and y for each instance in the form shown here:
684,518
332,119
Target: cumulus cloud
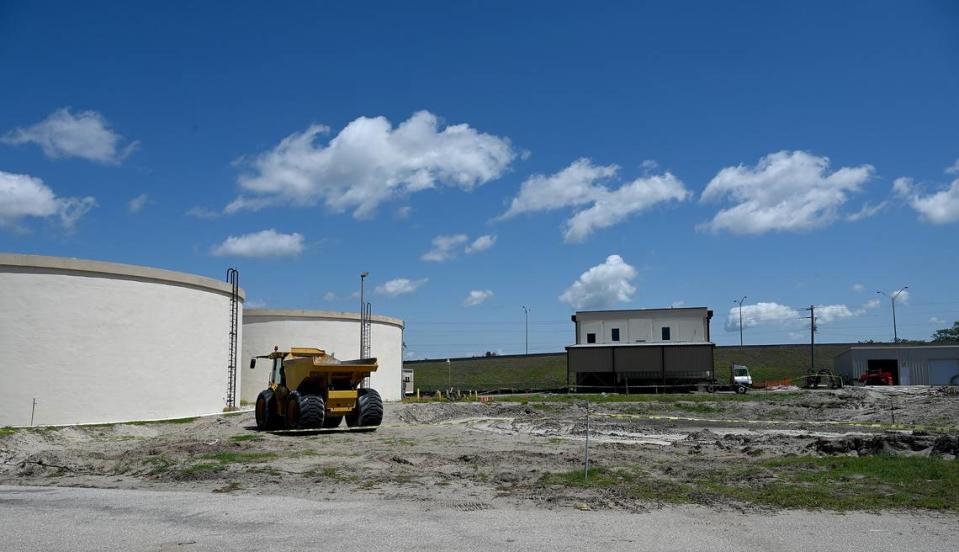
602,286
481,243
260,245
137,204
872,304
785,191
580,186
400,286
902,296
764,314
613,207
369,162
577,184
760,314
858,288
444,247
477,297
85,134
23,196
954,168
941,207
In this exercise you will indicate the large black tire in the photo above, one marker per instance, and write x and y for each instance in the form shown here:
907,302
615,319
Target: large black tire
304,411
369,410
332,422
265,411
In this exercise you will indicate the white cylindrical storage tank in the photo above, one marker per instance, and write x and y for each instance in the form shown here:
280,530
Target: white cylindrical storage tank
93,342
334,332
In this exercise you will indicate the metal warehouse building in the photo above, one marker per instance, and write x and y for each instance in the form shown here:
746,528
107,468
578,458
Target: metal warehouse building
916,365
620,349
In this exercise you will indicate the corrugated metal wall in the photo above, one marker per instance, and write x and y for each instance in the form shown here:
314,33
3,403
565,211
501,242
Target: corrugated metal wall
636,366
913,361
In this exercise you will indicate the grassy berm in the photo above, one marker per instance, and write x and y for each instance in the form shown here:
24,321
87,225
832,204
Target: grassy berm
534,372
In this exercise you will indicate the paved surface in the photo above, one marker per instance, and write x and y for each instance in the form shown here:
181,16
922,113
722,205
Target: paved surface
59,518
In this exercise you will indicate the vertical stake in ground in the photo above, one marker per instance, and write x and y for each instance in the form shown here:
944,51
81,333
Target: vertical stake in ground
586,461
33,411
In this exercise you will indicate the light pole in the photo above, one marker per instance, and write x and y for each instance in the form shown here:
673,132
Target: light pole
363,276
526,314
740,303
892,299
449,376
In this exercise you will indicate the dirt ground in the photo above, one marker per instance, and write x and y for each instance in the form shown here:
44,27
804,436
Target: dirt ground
475,456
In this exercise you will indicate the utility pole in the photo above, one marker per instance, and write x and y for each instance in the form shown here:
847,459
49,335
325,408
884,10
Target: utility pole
526,314
740,302
812,338
892,299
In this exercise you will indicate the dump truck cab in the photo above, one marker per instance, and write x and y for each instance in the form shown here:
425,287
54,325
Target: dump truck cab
310,389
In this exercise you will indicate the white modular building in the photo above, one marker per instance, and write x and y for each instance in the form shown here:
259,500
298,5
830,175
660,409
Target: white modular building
624,349
335,332
92,342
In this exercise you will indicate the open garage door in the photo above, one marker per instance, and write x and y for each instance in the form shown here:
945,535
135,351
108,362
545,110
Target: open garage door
944,372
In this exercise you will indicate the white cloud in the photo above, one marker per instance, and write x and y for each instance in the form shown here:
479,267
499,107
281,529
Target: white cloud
858,288
760,314
369,162
444,247
403,213
602,286
936,319
263,244
954,168
85,134
872,304
764,314
902,297
254,304
400,286
481,243
137,204
941,207
614,207
580,184
329,296
203,213
785,191
868,210
577,184
22,196
477,297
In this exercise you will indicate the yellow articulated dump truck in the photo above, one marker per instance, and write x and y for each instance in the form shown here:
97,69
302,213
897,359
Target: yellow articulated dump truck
310,389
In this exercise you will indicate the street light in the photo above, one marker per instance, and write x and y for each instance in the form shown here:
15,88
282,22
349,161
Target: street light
740,303
892,299
526,314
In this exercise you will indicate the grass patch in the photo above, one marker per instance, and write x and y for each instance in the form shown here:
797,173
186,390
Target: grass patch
6,431
224,458
871,483
158,465
246,437
198,471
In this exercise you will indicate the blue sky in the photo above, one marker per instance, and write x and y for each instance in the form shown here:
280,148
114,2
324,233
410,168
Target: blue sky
625,155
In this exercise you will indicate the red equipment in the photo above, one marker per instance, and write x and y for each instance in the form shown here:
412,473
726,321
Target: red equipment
876,376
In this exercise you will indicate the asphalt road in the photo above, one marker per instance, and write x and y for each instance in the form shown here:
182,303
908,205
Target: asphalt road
58,518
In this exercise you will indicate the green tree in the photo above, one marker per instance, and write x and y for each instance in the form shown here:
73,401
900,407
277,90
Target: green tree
947,335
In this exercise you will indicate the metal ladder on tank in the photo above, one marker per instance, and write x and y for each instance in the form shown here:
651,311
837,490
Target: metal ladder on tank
366,335
233,278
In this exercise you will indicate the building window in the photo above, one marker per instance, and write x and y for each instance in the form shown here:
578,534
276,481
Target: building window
615,335
665,333
590,338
